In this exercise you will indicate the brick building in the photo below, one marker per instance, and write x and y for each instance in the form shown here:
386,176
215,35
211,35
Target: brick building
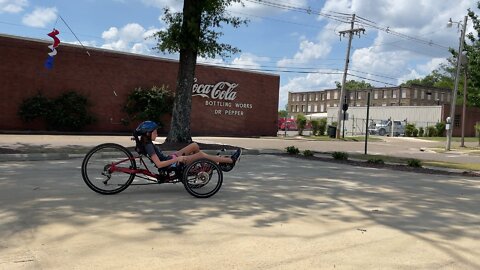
225,102
319,101
404,98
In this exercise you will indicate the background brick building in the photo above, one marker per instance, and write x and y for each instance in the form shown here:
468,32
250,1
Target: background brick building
107,77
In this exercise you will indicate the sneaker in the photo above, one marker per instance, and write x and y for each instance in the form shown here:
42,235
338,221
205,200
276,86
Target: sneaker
236,156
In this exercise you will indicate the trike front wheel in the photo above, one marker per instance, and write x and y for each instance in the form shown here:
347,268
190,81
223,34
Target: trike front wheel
107,168
202,178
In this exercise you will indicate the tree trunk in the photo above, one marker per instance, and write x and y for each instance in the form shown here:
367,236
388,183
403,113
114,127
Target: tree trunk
180,126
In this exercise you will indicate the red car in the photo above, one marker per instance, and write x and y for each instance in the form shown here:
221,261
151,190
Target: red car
289,124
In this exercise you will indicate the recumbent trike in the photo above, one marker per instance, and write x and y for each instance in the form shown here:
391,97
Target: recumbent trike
110,168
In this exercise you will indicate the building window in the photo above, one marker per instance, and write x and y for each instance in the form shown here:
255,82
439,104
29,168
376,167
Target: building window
415,94
323,96
385,94
291,108
316,97
335,95
310,97
359,95
436,95
304,97
328,95
457,120
429,95
442,96
315,108
384,104
296,108
404,94
375,95
322,107
309,109
422,95
394,93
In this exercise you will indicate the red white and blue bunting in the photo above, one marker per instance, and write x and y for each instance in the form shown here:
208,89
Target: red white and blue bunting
56,42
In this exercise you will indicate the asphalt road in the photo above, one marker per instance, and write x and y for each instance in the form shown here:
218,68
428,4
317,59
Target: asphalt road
273,212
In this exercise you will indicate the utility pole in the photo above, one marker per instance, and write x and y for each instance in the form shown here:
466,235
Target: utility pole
454,96
342,96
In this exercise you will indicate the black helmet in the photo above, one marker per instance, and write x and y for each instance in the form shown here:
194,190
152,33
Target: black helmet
146,127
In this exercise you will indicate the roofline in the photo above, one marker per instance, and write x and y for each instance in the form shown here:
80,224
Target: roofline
132,54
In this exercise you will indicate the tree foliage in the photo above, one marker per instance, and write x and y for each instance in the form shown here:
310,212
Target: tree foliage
354,85
444,76
192,33
149,104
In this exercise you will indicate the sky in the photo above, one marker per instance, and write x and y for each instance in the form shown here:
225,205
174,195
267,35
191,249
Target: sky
299,40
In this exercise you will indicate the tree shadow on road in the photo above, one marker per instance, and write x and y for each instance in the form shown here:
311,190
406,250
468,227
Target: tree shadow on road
437,209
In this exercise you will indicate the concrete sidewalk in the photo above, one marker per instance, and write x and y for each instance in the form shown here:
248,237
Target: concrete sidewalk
61,147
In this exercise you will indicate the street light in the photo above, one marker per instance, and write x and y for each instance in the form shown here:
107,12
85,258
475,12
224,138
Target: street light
454,96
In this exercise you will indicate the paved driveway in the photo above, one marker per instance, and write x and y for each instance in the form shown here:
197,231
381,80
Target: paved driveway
272,213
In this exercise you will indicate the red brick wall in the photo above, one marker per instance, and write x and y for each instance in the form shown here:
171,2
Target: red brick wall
105,73
472,116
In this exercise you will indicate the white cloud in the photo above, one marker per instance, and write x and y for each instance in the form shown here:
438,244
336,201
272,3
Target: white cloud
173,5
12,6
308,51
248,61
40,17
130,38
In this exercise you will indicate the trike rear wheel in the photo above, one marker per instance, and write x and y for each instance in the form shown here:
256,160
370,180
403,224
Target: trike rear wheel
101,168
202,178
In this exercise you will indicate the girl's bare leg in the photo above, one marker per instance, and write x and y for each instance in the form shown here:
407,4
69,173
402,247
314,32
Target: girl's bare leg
200,155
190,149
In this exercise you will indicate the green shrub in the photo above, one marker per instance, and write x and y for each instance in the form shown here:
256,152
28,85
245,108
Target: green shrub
440,128
477,130
323,126
301,123
431,131
375,161
409,129
414,163
340,155
34,107
308,153
149,104
68,112
421,132
292,150
415,132
315,127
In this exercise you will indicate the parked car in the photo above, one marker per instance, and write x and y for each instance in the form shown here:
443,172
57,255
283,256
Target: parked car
383,128
289,124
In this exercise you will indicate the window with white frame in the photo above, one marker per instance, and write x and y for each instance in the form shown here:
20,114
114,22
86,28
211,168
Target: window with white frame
309,109
394,93
375,95
304,97
315,108
385,94
322,107
404,94
328,95
316,97
335,95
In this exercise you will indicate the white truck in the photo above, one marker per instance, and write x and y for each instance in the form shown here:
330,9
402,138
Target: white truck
383,128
